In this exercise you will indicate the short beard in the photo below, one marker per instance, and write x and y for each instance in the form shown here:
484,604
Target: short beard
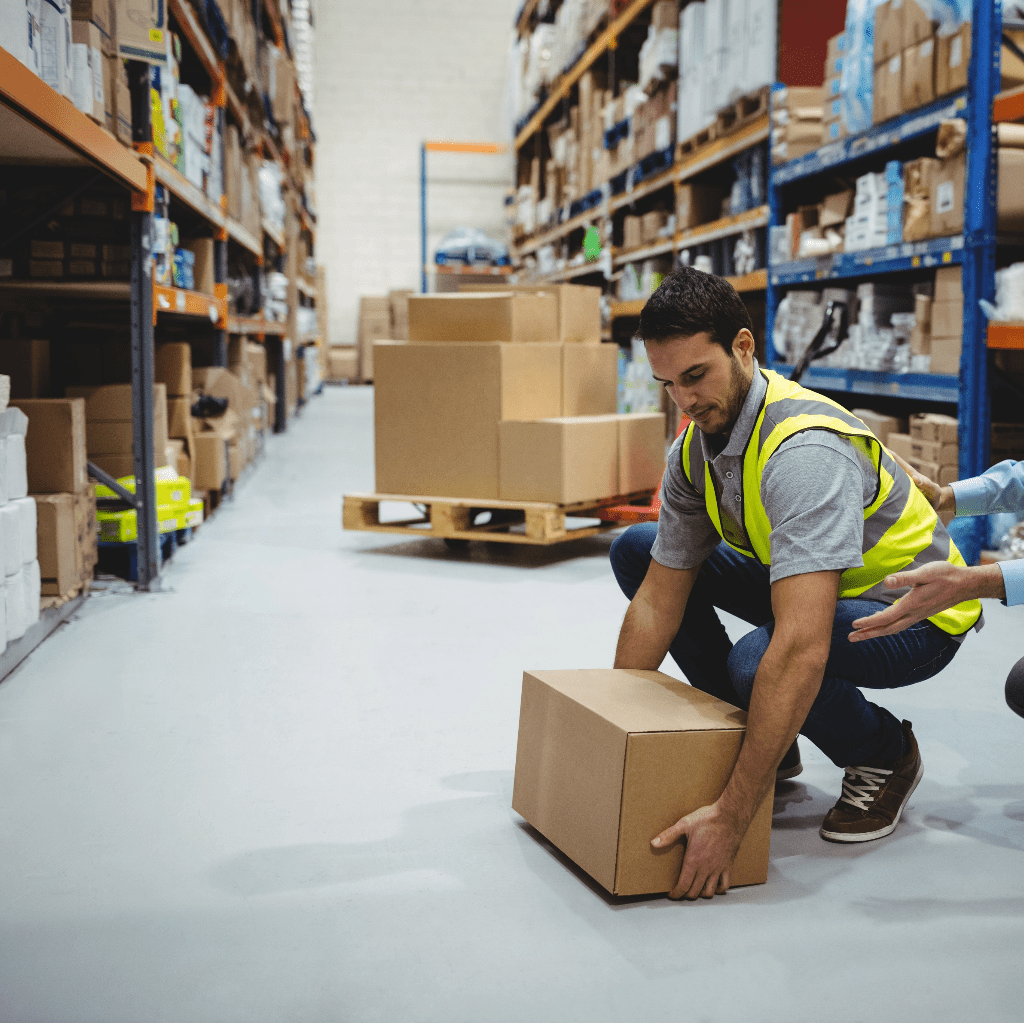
738,388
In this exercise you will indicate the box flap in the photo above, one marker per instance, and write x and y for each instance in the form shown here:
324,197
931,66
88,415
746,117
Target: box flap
640,701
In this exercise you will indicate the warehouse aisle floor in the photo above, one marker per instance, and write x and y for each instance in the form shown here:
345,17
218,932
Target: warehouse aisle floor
281,789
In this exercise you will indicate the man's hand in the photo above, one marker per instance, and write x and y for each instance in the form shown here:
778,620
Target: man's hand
936,587
941,499
712,839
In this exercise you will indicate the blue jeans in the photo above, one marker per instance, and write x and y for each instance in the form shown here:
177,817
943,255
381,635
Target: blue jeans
842,722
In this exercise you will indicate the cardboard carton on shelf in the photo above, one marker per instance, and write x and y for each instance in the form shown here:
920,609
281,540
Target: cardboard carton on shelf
946,199
437,408
88,79
698,204
173,368
55,444
901,444
27,363
945,354
888,38
484,316
933,426
952,58
141,30
947,318
918,82
917,24
879,425
607,759
108,416
887,97
945,453
632,234
564,459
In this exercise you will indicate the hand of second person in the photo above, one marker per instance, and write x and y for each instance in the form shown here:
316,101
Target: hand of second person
935,587
712,839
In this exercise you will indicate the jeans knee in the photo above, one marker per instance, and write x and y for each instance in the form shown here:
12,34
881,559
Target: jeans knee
1015,688
630,556
744,659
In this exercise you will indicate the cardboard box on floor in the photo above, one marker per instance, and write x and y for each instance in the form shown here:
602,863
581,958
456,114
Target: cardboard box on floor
342,363
65,540
579,308
607,759
55,444
374,326
437,408
484,316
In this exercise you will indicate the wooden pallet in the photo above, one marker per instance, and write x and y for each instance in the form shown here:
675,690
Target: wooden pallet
743,111
510,522
695,142
56,601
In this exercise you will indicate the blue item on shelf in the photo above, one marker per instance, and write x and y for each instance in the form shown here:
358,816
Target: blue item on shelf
894,173
858,70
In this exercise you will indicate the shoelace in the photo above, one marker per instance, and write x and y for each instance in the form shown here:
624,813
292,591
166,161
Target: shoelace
861,796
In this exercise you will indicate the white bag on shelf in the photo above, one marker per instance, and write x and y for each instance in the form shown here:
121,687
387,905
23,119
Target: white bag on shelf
13,427
14,598
26,528
33,592
10,537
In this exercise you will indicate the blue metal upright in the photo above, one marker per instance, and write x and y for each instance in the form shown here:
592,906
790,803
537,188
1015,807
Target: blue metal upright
975,250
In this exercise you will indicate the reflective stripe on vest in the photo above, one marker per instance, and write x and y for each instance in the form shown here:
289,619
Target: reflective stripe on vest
899,524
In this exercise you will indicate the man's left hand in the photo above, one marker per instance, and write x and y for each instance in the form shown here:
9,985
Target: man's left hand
935,587
712,839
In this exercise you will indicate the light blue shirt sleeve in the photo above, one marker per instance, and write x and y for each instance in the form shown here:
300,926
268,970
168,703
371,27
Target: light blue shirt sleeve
999,489
1013,579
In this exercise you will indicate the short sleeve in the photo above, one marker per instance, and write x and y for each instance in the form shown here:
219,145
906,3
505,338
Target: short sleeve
686,535
813,490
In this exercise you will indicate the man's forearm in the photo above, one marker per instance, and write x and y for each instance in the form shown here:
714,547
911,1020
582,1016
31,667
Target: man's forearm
787,681
645,636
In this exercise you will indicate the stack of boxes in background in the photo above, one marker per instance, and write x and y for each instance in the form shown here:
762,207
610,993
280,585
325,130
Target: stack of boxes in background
108,426
796,122
511,396
173,369
931,446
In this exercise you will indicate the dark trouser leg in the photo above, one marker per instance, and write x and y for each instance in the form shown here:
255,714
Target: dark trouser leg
1015,688
842,722
727,580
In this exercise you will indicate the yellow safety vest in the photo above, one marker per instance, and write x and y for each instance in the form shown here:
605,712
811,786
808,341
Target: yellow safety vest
899,524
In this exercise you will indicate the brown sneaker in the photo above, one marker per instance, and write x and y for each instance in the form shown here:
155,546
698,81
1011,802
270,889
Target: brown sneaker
790,766
873,797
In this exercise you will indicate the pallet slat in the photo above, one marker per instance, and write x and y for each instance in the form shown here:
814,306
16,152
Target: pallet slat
454,518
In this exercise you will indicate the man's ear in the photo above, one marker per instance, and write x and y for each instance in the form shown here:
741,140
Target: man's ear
743,343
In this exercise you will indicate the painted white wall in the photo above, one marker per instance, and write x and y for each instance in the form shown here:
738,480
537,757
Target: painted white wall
389,76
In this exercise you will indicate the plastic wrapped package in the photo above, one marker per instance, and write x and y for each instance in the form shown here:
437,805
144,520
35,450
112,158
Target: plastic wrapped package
271,197
858,65
26,509
33,592
13,427
14,599
10,535
1009,304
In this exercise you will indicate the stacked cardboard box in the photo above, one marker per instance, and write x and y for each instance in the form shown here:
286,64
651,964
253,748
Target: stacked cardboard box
931,447
59,484
223,445
398,301
488,401
374,326
108,427
796,122
946,321
174,371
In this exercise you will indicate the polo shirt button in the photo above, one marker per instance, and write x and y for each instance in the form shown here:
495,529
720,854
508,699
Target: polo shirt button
728,476
736,497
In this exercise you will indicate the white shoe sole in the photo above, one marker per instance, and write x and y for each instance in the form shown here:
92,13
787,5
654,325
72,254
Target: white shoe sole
866,837
789,773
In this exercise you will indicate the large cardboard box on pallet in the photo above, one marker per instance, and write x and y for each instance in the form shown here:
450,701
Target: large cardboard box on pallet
607,759
641,450
55,446
579,307
566,459
437,408
484,316
56,542
590,379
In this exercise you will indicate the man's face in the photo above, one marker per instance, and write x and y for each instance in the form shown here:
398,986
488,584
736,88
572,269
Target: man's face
707,383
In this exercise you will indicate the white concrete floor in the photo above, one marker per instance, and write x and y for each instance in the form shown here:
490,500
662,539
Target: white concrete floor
281,789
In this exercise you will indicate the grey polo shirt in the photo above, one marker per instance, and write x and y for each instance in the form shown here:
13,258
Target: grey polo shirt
815,488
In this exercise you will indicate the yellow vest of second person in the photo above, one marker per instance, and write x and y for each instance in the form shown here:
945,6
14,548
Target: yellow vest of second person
899,524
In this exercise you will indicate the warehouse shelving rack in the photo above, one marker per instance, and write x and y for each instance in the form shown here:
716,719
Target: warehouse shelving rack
975,251
659,172
39,127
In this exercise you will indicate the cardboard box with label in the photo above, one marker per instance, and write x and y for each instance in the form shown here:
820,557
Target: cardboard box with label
918,80
947,196
437,408
952,59
484,316
55,444
141,30
88,82
887,97
607,759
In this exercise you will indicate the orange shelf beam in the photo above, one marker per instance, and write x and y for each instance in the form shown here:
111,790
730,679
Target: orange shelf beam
754,282
255,325
1009,105
441,146
30,97
1006,336
178,300
631,308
